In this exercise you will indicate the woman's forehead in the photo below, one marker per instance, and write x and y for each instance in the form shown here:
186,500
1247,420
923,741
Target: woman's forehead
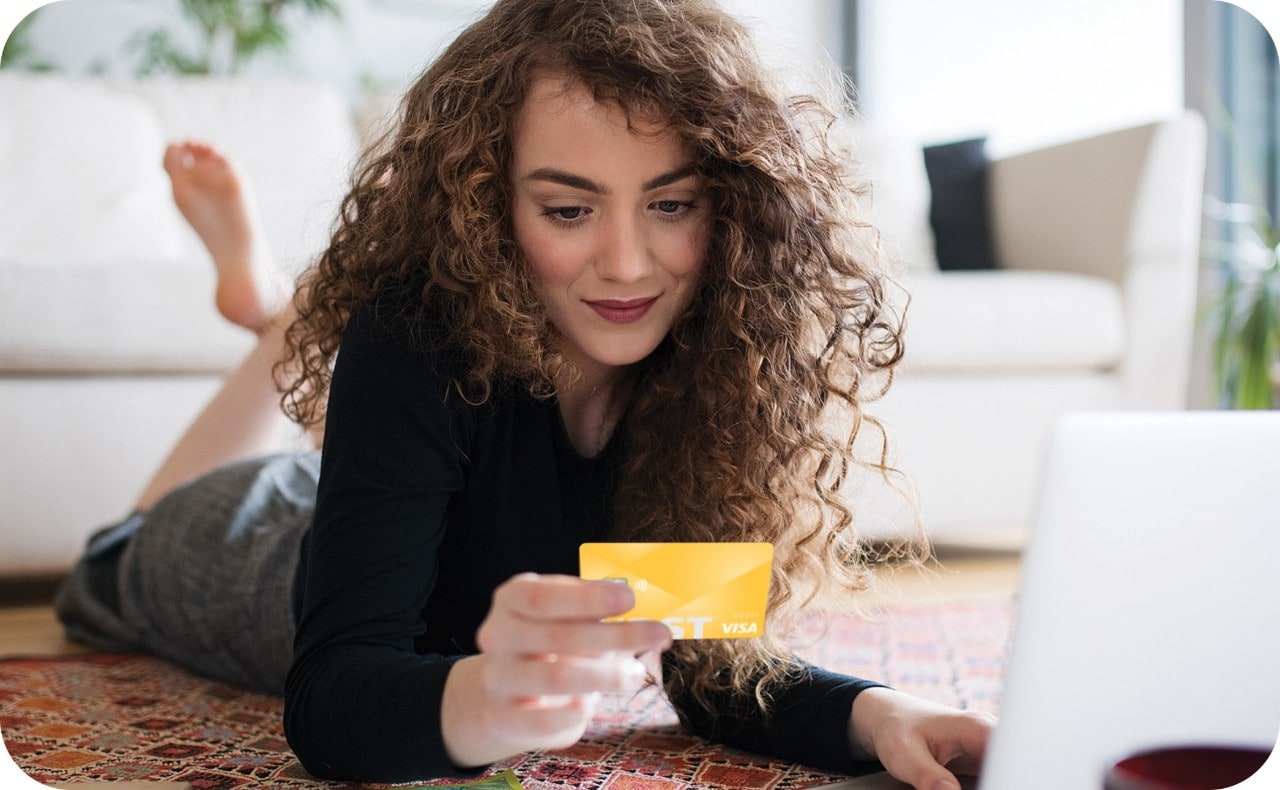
561,119
561,91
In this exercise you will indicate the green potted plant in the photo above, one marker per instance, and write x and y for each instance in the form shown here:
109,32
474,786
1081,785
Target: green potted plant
230,33
1245,315
19,53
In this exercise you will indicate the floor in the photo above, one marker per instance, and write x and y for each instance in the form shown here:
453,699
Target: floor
958,574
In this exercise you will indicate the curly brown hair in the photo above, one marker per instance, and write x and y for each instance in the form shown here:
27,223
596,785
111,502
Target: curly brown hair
741,425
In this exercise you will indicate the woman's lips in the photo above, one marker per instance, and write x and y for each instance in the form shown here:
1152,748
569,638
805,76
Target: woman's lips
622,311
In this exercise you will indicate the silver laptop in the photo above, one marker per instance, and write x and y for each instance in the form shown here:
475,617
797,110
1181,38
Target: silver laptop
1149,612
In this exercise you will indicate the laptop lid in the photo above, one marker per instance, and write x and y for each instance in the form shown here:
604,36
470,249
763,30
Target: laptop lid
1149,612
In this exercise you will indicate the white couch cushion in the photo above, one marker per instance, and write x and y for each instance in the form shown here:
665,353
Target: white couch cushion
137,316
82,175
294,141
98,270
899,197
1003,320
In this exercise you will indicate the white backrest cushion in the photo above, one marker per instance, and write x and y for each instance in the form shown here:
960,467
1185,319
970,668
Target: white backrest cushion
98,270
295,142
898,202
82,178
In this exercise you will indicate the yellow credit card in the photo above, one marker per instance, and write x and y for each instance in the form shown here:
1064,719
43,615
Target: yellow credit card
700,590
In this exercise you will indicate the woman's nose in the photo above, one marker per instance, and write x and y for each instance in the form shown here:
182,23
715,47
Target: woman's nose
624,256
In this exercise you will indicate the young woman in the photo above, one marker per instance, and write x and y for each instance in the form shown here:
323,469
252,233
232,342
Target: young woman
604,281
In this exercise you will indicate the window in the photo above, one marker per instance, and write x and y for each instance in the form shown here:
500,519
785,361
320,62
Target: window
1238,90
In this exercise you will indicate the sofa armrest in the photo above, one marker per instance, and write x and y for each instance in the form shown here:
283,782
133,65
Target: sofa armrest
1164,263
1124,206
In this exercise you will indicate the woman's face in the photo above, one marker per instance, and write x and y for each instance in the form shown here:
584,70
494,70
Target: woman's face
613,223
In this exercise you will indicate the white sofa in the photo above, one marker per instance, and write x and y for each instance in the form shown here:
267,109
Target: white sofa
109,342
1092,308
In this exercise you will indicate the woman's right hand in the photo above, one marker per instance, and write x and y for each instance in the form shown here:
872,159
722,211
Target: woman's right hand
545,656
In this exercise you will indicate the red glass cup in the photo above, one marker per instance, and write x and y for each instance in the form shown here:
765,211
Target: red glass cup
1185,768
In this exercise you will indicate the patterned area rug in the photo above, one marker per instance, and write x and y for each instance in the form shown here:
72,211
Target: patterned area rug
135,717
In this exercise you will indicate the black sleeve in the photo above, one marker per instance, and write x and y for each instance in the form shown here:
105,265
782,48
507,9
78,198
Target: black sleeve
807,723
360,703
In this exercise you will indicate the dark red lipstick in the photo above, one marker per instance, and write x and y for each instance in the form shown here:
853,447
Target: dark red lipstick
622,311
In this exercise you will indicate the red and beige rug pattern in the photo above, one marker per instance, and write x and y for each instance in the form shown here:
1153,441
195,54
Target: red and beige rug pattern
138,718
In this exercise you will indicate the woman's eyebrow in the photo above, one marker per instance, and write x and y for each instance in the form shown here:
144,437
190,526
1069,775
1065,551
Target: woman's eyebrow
566,179
573,181
667,179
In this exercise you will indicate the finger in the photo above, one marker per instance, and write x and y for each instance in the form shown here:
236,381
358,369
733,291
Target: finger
542,723
964,757
501,634
959,744
562,675
556,597
913,763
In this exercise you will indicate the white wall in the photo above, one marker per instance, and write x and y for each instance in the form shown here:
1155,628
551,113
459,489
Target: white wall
1022,73
387,42
794,37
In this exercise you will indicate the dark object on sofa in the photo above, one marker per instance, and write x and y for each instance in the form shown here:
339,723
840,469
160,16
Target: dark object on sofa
960,209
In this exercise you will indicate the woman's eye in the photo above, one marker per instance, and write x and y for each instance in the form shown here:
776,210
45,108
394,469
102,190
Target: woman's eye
673,209
565,213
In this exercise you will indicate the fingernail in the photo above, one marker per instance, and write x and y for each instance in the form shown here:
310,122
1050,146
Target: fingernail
945,784
623,598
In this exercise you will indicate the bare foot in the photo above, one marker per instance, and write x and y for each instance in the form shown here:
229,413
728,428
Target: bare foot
216,202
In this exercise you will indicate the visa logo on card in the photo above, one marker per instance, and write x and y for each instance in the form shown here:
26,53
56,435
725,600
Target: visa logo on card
700,590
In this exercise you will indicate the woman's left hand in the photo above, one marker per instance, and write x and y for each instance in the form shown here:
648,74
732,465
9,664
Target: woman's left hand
922,743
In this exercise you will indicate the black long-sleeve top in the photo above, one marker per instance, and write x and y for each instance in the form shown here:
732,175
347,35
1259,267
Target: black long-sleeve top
427,503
